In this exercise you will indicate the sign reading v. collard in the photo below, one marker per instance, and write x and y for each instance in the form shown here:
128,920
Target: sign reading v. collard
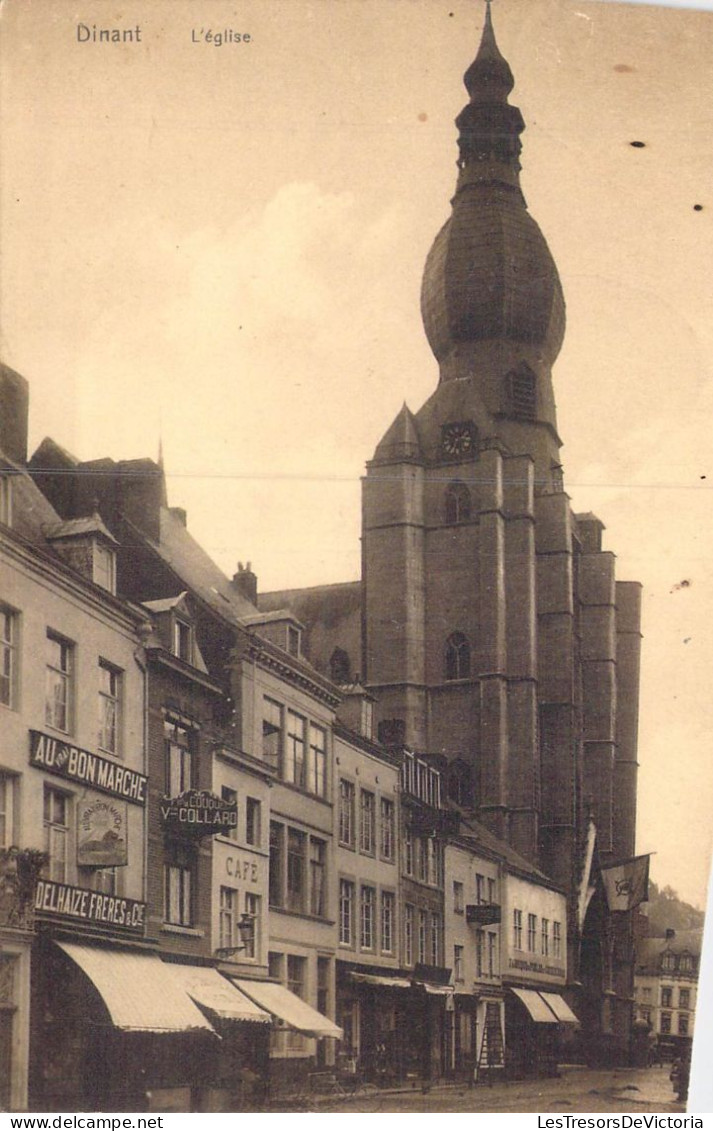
627,883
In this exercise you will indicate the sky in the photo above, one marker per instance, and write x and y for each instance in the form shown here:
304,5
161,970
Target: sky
220,248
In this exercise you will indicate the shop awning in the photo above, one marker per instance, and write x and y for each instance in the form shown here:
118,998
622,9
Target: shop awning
434,988
560,1008
538,1009
139,990
210,989
381,980
282,1003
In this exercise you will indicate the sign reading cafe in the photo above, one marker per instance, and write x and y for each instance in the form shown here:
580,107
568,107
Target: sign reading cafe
197,812
67,761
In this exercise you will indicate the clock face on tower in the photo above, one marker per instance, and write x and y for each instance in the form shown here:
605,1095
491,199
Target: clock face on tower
458,438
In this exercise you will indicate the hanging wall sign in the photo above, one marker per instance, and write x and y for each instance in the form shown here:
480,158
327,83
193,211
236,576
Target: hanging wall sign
101,833
198,813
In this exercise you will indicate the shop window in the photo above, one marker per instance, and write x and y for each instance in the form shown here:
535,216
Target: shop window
367,812
179,884
57,827
458,963
517,929
317,878
346,812
317,765
271,732
346,912
59,683
7,809
340,668
368,899
110,702
230,796
277,864
457,657
251,939
8,656
253,820
386,846
388,906
178,749
408,934
457,503
531,932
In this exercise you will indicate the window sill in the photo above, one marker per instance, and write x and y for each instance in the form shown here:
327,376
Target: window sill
177,929
302,915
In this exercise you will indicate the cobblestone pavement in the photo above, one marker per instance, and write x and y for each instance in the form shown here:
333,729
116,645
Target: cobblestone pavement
632,1090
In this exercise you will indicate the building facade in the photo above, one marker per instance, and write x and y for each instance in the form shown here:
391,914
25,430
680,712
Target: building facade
666,988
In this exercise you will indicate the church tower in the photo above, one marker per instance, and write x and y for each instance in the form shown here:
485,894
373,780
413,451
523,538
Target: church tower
495,634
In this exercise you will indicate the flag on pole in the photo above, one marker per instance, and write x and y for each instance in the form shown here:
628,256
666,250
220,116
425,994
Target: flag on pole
627,883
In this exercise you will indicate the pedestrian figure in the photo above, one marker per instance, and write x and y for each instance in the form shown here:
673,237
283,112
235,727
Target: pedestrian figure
681,1072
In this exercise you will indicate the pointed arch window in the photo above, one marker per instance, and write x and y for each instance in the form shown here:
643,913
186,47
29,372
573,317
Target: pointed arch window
457,656
457,503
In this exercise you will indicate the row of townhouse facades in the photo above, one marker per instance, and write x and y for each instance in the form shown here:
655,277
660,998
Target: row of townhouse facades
213,877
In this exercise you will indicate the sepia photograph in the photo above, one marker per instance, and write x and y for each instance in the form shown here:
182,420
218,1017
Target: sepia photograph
356,600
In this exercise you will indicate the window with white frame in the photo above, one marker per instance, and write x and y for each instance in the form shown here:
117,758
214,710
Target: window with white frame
388,907
230,797
422,936
531,932
368,902
386,846
295,761
317,767
104,567
436,938
346,812
408,934
251,942
458,897
346,912
479,952
684,999
367,812
277,865
492,954
182,639
491,890
110,689
7,809
226,917
6,499
271,732
517,928
178,876
57,825
178,751
479,888
457,963
557,939
59,686
296,870
545,930
8,656
317,877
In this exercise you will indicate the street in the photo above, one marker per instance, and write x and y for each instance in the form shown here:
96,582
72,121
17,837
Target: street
634,1090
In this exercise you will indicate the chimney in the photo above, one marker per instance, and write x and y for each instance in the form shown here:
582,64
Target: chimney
14,413
245,581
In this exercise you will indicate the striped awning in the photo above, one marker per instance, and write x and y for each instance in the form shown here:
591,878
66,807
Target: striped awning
538,1009
140,991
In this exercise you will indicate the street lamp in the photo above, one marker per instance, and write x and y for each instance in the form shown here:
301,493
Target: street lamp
246,928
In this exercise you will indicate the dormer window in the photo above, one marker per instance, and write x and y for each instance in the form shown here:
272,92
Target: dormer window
104,567
183,640
5,500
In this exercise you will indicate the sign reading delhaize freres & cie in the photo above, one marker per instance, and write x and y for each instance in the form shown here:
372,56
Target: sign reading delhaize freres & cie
63,901
67,761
